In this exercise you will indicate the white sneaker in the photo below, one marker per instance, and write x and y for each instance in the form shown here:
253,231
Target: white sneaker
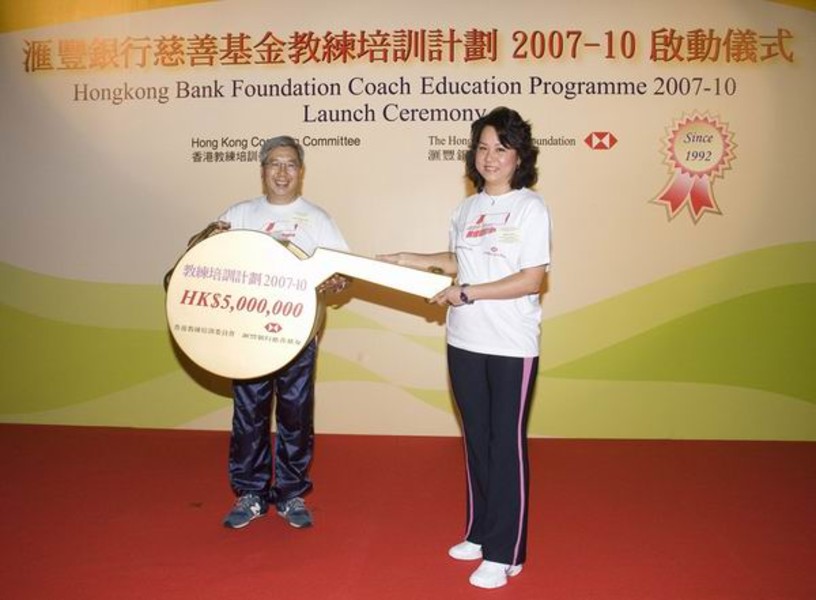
466,551
491,574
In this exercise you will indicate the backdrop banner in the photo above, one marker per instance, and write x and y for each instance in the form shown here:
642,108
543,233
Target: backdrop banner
675,156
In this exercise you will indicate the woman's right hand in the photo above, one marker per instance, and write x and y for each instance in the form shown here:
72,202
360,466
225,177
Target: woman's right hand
394,259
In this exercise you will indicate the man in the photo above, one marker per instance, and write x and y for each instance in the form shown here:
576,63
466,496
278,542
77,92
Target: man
285,214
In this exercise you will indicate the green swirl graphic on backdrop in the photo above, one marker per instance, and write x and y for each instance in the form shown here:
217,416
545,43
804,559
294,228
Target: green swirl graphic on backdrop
725,350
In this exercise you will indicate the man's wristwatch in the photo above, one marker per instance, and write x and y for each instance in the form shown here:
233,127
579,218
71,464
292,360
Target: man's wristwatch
463,294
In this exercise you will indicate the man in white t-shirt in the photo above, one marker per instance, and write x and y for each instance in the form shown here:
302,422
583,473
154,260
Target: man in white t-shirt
283,213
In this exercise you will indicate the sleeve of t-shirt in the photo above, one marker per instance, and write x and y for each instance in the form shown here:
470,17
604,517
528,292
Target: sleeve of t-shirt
333,238
535,250
453,229
231,216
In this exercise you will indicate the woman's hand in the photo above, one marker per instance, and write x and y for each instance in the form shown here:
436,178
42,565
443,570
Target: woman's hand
450,296
394,259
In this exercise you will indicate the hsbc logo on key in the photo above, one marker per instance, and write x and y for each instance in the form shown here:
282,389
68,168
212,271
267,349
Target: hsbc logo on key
600,140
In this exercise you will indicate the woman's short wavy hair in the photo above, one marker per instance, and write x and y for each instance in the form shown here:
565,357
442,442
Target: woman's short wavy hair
514,132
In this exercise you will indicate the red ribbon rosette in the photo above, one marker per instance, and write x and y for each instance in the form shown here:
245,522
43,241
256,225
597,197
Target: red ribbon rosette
698,149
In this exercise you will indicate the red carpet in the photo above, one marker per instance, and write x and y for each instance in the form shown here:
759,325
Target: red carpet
90,513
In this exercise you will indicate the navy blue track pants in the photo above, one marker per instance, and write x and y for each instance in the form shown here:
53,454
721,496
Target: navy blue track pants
493,394
291,390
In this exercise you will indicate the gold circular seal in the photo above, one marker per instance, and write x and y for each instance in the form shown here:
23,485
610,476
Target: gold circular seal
698,147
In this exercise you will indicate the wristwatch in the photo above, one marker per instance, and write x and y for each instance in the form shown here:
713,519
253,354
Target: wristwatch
463,295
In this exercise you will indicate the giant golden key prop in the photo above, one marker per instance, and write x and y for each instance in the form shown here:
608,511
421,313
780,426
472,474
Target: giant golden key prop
241,304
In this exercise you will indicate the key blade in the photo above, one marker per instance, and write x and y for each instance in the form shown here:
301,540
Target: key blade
425,284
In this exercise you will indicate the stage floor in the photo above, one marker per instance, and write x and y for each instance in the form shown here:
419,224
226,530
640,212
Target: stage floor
95,513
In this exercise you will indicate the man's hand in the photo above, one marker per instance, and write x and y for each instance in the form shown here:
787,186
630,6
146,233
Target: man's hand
211,229
334,284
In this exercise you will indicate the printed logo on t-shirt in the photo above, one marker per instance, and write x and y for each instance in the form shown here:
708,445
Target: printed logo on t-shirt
509,235
494,251
485,224
281,230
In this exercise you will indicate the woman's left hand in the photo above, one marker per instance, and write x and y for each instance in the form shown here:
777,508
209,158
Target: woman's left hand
450,296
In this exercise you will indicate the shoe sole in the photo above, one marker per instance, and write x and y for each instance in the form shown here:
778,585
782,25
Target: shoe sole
511,572
295,525
456,556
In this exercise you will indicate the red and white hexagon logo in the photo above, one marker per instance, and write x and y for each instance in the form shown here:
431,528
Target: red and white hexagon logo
600,140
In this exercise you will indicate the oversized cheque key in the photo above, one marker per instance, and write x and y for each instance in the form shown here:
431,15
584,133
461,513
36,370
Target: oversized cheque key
241,304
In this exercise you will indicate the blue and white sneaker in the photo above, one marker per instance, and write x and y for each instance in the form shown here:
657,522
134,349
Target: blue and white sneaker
246,509
295,512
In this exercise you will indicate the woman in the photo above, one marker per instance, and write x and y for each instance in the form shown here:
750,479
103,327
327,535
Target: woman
500,254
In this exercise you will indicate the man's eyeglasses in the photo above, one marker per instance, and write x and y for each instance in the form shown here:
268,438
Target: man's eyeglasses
276,165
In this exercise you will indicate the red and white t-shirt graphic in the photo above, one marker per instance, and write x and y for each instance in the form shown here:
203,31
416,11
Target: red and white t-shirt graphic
486,224
282,230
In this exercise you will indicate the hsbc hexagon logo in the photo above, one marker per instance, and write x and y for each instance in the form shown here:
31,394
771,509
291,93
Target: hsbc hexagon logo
600,140
273,327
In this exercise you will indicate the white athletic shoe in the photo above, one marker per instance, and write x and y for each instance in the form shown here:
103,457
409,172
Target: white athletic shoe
491,574
465,551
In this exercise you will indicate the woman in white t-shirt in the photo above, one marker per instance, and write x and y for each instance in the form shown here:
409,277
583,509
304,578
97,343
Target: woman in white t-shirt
500,254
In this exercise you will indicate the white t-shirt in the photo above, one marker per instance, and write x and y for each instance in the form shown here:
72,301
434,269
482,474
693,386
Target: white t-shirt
300,222
494,237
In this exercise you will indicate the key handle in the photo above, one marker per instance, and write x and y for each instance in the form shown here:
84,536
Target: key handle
242,304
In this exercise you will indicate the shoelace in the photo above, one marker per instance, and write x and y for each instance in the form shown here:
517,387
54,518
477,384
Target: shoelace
247,501
294,504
